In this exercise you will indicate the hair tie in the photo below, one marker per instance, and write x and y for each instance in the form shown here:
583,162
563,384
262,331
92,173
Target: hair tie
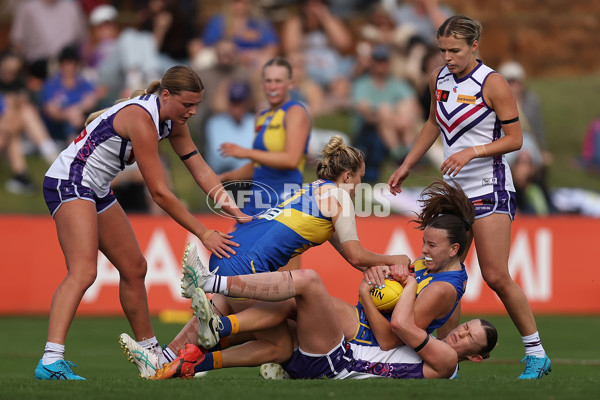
466,223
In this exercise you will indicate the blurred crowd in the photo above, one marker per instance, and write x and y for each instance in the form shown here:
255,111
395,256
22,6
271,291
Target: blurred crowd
364,58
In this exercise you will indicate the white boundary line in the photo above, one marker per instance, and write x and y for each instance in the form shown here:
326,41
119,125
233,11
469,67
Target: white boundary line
557,361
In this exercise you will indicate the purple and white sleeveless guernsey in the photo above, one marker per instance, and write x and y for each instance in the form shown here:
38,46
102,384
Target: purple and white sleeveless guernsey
465,120
98,154
355,361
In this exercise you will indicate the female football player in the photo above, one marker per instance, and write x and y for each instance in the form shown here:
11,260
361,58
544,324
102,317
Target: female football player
88,217
475,110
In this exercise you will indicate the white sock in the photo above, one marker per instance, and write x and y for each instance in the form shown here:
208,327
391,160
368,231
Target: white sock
153,346
216,284
533,345
169,354
53,352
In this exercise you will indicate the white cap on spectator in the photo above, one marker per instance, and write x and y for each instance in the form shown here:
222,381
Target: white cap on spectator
103,13
512,71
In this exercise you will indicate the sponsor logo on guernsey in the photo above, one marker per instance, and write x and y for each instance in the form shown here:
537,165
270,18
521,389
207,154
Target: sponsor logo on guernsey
442,95
466,99
454,89
489,181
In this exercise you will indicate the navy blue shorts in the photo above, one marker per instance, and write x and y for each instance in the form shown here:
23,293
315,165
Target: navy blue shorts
59,191
314,366
502,202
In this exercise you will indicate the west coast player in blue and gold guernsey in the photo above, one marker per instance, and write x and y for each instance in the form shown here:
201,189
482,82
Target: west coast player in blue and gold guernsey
445,219
318,212
280,234
278,152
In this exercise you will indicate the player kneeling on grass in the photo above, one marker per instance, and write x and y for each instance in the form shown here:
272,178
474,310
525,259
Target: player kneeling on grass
321,348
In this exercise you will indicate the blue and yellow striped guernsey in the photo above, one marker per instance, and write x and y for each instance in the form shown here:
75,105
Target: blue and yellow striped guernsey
365,336
271,135
278,235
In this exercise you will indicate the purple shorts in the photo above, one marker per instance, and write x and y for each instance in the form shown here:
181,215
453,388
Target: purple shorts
502,202
314,366
59,191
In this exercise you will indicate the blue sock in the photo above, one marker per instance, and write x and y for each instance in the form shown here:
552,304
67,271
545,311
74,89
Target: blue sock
229,325
211,361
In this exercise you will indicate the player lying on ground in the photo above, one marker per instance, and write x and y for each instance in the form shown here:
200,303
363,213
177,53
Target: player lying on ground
321,348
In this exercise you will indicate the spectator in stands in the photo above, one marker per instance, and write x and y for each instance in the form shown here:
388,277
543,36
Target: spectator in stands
590,152
103,38
318,100
382,29
42,28
67,97
531,161
529,105
217,80
323,39
423,17
385,109
236,125
134,62
11,143
254,35
20,118
171,28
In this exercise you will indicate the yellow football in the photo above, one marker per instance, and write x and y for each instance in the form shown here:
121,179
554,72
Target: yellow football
385,299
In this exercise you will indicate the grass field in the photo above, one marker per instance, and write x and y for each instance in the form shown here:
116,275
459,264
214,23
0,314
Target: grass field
92,343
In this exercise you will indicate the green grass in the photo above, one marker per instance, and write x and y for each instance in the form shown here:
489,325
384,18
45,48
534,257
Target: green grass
568,106
92,343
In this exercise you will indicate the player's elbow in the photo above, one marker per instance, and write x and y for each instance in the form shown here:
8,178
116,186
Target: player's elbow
161,196
518,143
355,258
388,344
290,163
399,326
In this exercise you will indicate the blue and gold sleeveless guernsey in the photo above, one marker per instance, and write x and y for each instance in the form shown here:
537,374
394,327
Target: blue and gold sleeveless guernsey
281,233
98,154
269,184
465,120
365,336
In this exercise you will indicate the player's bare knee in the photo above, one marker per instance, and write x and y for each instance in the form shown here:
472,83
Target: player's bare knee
82,278
497,281
135,271
305,278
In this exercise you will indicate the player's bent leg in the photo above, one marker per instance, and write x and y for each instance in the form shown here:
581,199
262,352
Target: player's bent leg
492,242
118,243
195,273
318,327
208,322
183,366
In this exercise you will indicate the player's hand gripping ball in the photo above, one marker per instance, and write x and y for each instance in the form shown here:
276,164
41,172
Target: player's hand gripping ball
385,299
